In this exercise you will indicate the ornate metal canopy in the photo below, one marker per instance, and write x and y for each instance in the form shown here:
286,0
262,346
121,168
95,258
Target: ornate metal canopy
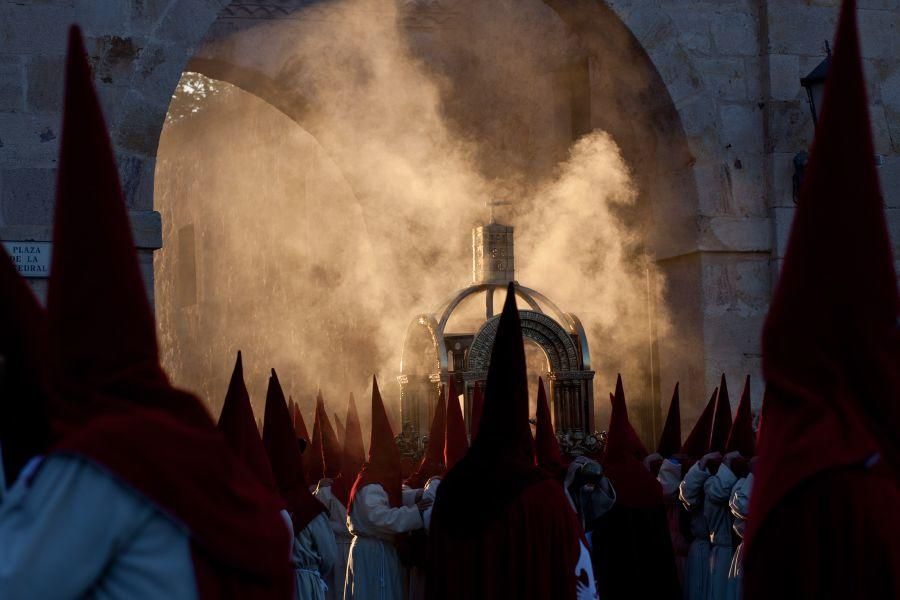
432,355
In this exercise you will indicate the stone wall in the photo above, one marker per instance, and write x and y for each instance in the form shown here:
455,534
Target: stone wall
732,68
137,49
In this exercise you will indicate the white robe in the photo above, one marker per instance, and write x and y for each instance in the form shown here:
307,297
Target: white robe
417,574
374,571
314,555
740,508
696,567
337,517
718,516
669,478
70,530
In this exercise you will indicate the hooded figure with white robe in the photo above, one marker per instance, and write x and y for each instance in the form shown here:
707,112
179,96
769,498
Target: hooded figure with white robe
379,512
239,428
695,583
740,510
669,477
133,482
739,449
717,492
332,492
427,477
313,550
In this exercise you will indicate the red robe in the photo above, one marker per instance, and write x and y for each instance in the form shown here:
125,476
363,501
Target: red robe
823,516
529,552
632,539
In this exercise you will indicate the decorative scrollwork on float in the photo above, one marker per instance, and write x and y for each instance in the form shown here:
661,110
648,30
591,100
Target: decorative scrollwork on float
575,443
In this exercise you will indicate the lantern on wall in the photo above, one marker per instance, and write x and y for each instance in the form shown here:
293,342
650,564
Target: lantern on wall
814,84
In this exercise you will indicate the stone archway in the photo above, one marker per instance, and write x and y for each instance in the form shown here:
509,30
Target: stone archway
642,115
571,389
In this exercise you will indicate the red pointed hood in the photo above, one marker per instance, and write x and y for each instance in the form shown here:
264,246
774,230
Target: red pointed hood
635,486
284,456
292,410
299,424
722,422
313,466
477,409
237,424
500,463
456,444
432,463
331,449
670,440
697,442
25,390
546,446
354,450
101,323
383,464
831,344
119,411
339,430
504,418
741,436
332,455
621,436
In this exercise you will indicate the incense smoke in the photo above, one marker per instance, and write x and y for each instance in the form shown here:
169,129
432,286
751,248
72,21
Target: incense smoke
311,245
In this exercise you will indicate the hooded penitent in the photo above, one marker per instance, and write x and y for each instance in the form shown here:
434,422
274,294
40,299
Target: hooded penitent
635,486
455,440
501,527
332,454
823,515
383,465
546,446
477,410
432,463
635,532
741,438
284,456
24,382
237,425
354,450
722,422
118,409
697,442
670,440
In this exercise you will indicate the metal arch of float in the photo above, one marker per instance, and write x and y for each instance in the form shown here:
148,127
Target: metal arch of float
582,340
530,296
557,344
430,324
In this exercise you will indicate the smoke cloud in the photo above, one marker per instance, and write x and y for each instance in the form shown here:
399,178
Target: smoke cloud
311,244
